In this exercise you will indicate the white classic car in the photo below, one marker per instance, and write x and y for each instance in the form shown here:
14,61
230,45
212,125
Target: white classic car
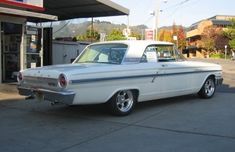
121,73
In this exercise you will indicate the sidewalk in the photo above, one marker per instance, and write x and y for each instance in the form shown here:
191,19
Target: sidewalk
228,69
9,92
228,65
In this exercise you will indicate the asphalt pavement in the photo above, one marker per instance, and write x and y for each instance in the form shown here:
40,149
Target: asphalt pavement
181,124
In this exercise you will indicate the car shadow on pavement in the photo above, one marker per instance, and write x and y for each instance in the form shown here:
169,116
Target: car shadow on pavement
101,109
224,88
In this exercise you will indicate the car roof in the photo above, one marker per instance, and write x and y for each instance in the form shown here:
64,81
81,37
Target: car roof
135,48
137,42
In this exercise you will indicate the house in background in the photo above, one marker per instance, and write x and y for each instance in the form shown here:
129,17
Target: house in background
195,31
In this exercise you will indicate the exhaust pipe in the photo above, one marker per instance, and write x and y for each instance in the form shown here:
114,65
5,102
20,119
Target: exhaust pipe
55,103
29,97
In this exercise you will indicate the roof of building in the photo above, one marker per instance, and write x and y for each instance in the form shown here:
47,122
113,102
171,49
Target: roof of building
216,21
71,9
31,16
220,22
221,16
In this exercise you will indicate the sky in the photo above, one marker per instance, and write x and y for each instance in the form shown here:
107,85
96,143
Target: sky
182,12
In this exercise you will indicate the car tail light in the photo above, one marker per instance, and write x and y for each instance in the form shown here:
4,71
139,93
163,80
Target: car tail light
19,77
62,80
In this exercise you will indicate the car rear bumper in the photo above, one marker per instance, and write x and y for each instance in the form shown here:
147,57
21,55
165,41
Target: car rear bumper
65,97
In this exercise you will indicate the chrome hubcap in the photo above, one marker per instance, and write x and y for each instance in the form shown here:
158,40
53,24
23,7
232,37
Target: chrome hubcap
209,87
124,100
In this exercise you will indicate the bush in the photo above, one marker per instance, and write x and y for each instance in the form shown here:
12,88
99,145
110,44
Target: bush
219,56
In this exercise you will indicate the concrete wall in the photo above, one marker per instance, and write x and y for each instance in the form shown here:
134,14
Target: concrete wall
65,52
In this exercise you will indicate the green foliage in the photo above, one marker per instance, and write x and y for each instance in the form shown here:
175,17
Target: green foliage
116,34
208,43
217,55
91,35
136,34
81,38
232,44
165,35
230,33
220,41
213,39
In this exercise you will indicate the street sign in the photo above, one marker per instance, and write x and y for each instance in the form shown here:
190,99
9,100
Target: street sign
149,33
126,32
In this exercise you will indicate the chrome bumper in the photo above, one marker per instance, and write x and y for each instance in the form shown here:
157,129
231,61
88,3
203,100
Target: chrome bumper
219,81
65,97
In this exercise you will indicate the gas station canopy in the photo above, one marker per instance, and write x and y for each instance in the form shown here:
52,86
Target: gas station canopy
70,9
63,9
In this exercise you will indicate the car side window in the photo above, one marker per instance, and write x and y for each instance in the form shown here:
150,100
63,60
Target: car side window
160,53
149,55
166,53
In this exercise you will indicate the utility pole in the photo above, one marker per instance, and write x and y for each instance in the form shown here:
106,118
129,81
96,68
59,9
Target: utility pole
225,52
156,24
128,22
92,29
155,29
175,38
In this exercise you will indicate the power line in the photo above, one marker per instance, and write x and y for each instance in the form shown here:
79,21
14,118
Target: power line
62,27
177,4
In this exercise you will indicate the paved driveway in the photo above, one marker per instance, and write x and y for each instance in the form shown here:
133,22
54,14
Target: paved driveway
184,124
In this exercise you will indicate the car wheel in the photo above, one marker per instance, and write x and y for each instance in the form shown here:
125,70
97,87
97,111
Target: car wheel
122,103
208,88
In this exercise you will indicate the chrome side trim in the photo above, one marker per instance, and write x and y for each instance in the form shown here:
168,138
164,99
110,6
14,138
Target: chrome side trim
138,76
65,97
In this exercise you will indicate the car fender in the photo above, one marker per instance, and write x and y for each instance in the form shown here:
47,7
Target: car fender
122,88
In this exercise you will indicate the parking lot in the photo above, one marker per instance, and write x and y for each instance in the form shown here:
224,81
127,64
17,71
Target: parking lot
181,124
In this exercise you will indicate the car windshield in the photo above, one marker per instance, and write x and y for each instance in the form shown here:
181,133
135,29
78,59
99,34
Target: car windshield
103,53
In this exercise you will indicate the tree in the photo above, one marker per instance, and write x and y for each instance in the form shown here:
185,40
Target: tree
161,35
210,37
232,44
135,34
168,36
208,44
220,41
165,35
230,33
181,38
90,35
116,34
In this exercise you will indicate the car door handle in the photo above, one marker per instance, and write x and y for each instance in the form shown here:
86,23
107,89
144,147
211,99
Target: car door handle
154,77
164,65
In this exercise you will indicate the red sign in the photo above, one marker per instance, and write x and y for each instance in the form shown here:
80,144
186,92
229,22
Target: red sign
149,33
21,4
